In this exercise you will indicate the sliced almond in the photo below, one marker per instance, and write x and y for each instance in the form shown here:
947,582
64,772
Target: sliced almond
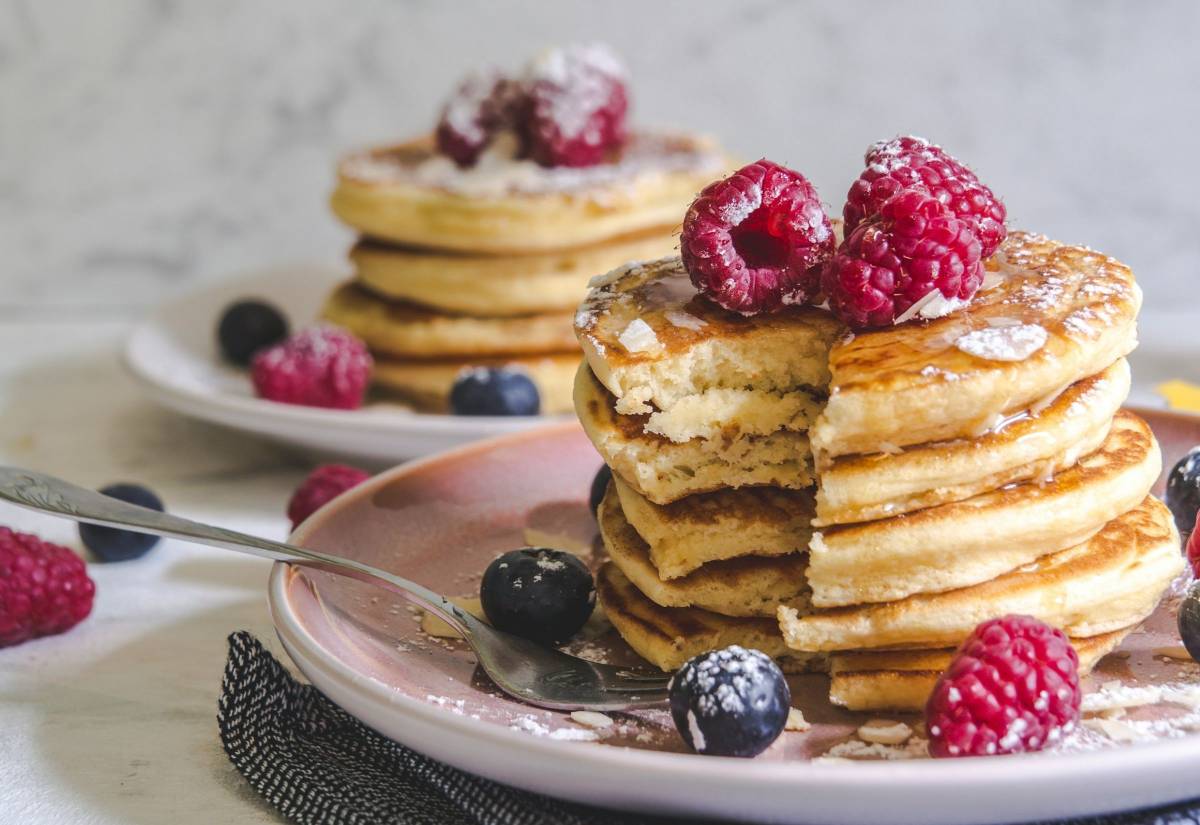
1114,729
433,626
884,732
1174,652
796,721
591,719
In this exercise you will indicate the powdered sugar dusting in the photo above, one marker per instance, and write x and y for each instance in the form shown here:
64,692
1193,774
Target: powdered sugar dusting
498,172
1010,343
639,337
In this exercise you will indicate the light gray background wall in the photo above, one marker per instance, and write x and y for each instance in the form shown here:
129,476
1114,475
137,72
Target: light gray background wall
146,143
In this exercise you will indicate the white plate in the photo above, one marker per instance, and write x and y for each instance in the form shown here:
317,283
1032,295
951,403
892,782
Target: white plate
441,519
173,354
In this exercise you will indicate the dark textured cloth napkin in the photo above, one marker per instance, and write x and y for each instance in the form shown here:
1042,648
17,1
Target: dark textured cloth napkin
317,765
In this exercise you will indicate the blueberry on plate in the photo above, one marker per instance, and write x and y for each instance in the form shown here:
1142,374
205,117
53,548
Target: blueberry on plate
538,593
599,487
248,326
111,544
730,702
1183,491
1189,620
494,391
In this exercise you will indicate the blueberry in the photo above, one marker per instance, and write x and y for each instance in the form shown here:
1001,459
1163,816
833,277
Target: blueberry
730,702
111,544
599,487
541,594
494,391
248,326
1189,620
1183,491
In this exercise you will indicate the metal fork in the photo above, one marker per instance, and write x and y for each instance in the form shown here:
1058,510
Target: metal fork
523,669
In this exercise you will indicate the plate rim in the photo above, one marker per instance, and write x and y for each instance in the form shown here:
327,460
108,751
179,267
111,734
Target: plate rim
1026,770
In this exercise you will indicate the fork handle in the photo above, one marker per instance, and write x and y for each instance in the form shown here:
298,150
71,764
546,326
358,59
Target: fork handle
47,494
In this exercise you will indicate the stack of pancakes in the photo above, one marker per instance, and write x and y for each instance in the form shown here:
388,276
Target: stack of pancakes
460,268
858,503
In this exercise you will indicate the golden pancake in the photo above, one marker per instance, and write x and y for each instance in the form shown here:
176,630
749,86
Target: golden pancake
725,524
1029,445
426,384
903,679
967,542
409,331
489,285
653,342
895,680
1053,314
408,194
664,471
748,586
1110,581
669,636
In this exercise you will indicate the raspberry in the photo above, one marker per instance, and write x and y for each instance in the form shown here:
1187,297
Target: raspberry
482,105
322,366
576,105
915,163
323,485
1193,548
44,588
755,241
1012,687
912,247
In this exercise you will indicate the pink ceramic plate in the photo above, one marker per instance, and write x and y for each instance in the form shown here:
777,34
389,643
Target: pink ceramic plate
441,520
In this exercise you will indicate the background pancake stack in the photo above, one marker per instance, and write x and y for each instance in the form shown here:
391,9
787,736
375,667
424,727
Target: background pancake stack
460,268
965,468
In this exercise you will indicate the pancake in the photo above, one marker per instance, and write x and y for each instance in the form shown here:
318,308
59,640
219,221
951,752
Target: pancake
669,636
1027,446
1112,580
665,471
426,384
654,343
491,286
410,331
748,586
928,381
895,680
725,524
964,543
903,679
408,194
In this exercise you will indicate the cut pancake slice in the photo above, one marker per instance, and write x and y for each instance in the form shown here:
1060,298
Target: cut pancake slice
426,384
1031,445
896,680
748,586
664,471
1052,315
411,331
669,636
725,524
967,542
903,679
490,286
1110,581
653,342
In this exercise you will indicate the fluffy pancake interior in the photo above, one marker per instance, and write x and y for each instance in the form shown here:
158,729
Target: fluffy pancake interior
746,586
724,524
